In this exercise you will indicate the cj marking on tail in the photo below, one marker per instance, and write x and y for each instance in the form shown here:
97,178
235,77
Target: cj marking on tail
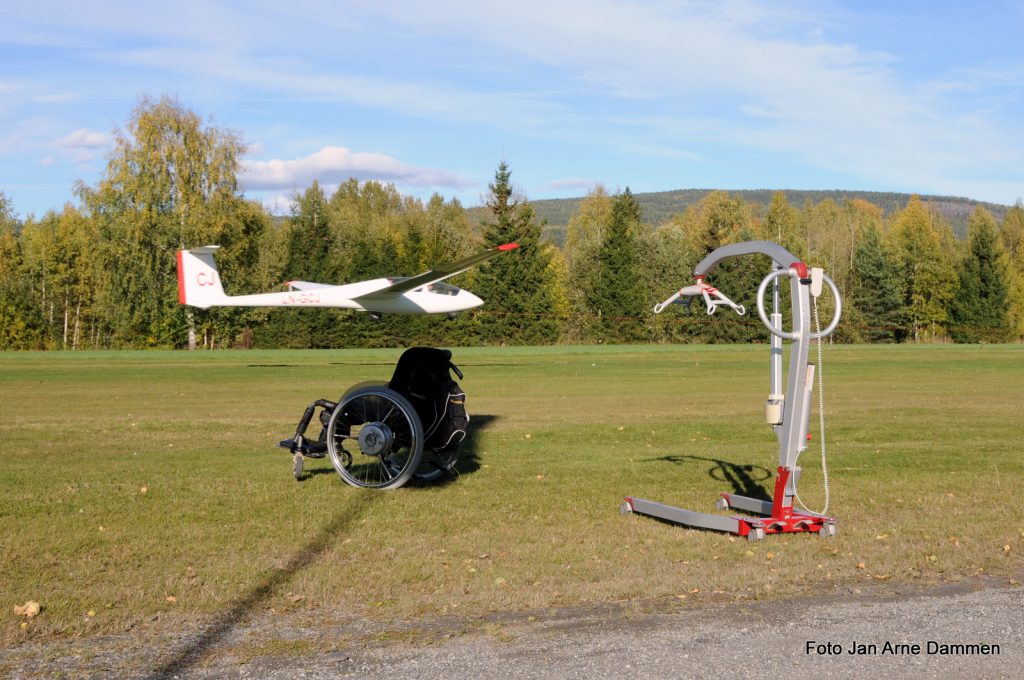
206,279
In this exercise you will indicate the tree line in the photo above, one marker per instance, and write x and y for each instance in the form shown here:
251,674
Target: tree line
100,273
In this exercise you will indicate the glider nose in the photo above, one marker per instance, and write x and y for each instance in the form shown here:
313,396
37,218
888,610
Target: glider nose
469,300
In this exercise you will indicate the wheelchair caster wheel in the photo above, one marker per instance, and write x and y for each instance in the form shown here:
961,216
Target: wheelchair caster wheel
297,462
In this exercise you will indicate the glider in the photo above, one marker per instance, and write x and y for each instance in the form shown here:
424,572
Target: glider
199,285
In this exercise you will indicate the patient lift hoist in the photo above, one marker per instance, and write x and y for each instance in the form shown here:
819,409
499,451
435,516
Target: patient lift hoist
788,413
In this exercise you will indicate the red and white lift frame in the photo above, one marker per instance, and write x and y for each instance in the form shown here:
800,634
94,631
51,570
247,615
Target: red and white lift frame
788,413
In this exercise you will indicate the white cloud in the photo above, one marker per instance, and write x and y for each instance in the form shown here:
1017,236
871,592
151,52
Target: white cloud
278,204
572,183
84,139
335,164
82,146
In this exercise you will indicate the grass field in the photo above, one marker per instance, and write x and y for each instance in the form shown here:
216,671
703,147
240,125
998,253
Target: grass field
136,483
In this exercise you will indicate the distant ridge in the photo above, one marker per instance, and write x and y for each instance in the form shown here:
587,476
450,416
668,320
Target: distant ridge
660,206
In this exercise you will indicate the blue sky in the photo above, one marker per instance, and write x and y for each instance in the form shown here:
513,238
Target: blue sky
924,97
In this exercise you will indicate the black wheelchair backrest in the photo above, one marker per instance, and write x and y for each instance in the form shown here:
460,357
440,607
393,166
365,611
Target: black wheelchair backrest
421,369
422,376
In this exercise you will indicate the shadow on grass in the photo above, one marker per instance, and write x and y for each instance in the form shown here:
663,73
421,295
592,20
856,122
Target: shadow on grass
362,363
329,535
469,454
744,479
468,460
309,473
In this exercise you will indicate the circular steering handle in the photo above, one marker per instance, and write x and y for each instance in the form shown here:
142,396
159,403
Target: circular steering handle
785,335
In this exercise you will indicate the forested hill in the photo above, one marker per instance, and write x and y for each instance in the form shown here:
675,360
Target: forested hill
660,206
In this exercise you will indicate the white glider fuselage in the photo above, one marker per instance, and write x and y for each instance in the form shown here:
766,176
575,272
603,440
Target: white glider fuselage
420,301
199,285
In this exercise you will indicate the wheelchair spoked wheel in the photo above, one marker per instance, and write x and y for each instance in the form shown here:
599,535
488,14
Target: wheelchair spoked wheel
375,438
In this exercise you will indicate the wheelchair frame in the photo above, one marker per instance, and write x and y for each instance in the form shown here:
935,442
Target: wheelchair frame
374,437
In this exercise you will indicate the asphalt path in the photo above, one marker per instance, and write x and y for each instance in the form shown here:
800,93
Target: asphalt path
970,631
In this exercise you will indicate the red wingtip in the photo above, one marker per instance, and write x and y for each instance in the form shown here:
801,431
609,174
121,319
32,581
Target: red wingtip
508,246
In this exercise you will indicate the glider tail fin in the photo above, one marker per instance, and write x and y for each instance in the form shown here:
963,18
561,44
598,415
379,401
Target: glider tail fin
198,279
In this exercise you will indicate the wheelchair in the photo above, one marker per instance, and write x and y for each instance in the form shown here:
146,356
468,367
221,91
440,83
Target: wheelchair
380,435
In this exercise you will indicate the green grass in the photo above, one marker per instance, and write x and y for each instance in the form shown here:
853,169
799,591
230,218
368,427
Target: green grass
924,448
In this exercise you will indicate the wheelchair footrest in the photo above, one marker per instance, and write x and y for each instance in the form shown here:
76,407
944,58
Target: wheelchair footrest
312,449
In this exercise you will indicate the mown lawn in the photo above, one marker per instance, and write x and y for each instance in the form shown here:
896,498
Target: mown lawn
135,483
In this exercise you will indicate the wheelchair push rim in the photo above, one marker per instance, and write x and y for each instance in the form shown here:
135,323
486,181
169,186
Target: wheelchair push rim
375,438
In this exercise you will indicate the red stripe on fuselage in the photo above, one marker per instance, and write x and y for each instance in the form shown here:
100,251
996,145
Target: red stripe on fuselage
181,277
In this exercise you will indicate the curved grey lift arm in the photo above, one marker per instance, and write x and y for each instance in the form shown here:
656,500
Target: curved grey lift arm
782,257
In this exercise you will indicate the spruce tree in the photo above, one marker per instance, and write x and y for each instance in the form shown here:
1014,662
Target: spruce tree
517,287
617,295
876,296
979,309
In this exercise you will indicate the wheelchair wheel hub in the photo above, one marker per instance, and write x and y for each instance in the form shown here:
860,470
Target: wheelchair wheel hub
375,439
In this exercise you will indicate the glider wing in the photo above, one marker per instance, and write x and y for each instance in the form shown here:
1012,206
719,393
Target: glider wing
439,273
